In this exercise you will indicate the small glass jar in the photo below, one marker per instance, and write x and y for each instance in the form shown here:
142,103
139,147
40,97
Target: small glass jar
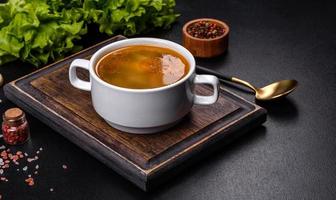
15,127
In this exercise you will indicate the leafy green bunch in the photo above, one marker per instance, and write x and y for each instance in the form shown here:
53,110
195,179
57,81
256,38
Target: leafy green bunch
37,31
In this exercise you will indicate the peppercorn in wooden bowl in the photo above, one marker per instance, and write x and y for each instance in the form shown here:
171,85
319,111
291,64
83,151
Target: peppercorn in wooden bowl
205,37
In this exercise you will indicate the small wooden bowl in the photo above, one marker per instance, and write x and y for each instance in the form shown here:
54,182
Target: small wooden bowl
206,48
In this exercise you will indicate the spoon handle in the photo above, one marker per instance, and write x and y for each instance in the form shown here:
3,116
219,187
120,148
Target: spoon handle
226,78
212,72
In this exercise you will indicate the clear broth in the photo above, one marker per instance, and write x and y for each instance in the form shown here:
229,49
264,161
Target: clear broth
142,67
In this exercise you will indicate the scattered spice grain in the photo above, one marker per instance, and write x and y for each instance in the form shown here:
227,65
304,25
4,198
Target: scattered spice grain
30,181
8,158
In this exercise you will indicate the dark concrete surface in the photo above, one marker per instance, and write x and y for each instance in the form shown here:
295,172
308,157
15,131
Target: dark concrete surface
293,156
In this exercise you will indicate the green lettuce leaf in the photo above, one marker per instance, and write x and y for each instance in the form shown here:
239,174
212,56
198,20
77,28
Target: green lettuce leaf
38,31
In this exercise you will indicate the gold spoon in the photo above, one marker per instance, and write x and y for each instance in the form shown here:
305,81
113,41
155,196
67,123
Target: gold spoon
269,92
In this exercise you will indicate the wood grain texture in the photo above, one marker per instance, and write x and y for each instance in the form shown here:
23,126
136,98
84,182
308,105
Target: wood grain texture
138,148
143,159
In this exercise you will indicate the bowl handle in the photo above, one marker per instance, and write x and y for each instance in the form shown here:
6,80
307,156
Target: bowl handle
211,80
74,80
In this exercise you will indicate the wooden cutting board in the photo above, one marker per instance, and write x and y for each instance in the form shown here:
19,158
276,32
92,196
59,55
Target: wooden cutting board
145,160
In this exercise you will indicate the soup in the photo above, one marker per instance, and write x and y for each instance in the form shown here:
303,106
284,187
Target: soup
142,67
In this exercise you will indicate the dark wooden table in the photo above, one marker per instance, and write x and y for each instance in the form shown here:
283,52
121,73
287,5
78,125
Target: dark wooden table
291,157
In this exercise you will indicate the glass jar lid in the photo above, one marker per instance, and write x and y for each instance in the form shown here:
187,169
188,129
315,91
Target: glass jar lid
13,114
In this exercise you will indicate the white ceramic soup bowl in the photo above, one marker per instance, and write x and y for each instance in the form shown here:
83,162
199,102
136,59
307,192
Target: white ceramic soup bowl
143,110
